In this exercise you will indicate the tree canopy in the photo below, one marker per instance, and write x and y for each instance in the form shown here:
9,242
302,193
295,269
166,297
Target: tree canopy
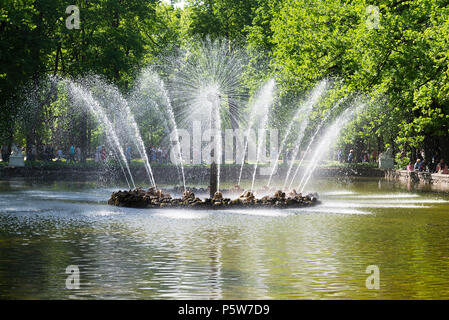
395,52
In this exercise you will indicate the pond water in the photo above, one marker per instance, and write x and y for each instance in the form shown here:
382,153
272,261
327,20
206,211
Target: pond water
312,253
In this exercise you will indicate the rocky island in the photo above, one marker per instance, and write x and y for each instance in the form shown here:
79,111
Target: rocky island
157,198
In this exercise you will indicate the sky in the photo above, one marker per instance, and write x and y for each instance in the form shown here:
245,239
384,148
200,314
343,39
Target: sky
178,3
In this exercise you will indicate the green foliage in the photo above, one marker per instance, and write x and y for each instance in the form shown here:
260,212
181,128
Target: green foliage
218,18
400,66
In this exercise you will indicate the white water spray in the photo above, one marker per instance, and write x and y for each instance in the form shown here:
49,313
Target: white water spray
85,97
264,100
303,108
328,139
310,102
124,109
312,139
175,128
260,108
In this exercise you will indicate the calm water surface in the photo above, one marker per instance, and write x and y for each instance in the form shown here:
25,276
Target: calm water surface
314,253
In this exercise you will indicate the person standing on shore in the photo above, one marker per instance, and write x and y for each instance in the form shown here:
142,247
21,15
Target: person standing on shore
51,153
5,153
435,161
153,154
417,164
365,156
60,156
351,156
71,154
442,167
128,154
166,155
159,155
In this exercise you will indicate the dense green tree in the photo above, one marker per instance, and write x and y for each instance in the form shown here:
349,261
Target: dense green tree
218,18
115,39
401,63
394,52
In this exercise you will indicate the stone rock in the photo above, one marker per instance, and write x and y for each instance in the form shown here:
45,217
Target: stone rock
157,198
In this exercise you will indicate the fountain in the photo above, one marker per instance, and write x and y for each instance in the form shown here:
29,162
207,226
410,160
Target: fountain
329,137
260,108
207,86
128,118
303,109
312,140
266,97
84,97
154,198
310,102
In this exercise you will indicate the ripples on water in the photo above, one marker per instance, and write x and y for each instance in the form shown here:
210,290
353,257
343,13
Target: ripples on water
319,252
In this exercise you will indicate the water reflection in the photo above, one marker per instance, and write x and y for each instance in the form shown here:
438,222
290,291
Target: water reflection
319,252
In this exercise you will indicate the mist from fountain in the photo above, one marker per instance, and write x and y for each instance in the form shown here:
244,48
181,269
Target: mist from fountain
149,98
326,142
315,95
263,103
304,108
203,84
218,142
209,68
259,109
83,96
125,121
175,128
206,85
312,140
121,167
244,150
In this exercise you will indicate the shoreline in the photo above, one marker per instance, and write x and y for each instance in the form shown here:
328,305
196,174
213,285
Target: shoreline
422,180
196,175
170,174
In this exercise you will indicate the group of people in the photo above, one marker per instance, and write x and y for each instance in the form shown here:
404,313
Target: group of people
48,153
158,154
100,154
74,154
155,154
434,165
364,156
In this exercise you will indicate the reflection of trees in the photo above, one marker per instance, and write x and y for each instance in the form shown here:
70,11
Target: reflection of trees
142,255
32,262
